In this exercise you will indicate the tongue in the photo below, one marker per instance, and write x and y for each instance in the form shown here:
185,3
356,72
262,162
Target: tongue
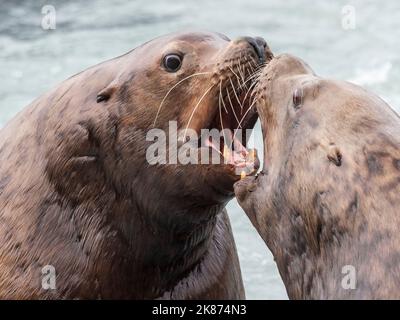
240,157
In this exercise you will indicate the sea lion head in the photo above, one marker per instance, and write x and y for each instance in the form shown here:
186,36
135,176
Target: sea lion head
319,138
303,119
328,174
285,87
195,80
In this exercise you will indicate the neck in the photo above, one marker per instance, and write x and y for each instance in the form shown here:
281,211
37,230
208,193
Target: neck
169,226
334,261
183,238
171,244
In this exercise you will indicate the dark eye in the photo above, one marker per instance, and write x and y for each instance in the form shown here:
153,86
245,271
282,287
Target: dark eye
297,98
172,62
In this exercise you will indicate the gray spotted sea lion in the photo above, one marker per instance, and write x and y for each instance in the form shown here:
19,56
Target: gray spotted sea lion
327,200
77,192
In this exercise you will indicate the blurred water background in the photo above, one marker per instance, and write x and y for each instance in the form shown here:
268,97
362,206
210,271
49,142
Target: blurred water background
33,60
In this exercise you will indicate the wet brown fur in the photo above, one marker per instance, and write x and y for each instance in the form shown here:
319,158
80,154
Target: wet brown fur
76,191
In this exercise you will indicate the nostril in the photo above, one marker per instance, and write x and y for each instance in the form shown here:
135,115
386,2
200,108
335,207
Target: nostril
261,42
265,48
258,46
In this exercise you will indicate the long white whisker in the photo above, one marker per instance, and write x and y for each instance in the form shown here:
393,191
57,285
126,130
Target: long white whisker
245,72
230,102
195,108
241,71
220,118
248,91
234,73
246,113
254,64
173,87
254,74
250,78
234,91
221,98
242,67
252,94
244,116
252,70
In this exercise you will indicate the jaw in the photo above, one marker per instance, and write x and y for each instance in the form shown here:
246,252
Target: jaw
244,192
233,115
235,120
227,108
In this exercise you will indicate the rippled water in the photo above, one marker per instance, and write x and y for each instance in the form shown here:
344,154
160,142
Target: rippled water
33,60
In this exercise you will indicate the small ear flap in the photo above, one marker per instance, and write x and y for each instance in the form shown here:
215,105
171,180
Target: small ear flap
106,93
334,155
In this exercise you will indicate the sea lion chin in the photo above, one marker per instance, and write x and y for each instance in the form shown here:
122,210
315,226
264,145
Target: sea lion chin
77,192
326,201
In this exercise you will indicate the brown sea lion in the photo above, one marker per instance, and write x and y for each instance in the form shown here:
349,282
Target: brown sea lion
327,200
77,192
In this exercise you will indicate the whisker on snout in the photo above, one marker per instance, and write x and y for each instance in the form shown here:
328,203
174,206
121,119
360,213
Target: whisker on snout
172,88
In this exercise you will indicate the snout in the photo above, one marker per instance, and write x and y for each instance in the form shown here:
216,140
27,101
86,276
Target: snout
287,64
243,187
244,192
260,47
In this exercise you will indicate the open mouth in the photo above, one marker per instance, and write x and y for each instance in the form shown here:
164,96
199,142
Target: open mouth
227,124
234,119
